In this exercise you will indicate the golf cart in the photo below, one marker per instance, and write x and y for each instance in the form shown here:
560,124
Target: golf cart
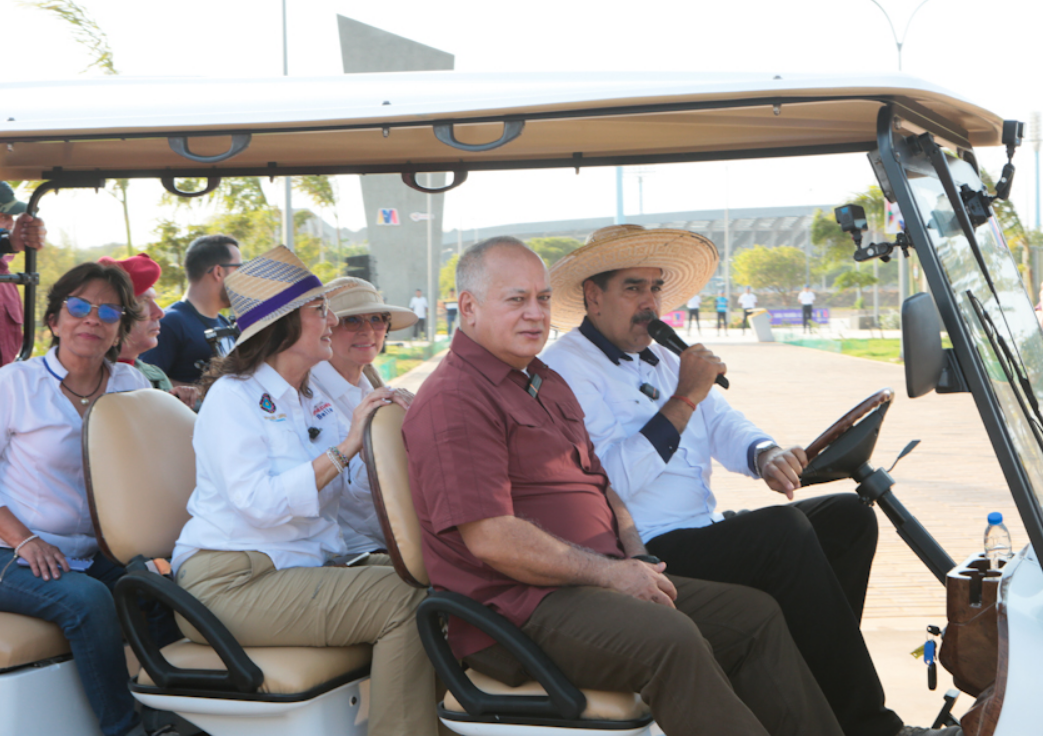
920,142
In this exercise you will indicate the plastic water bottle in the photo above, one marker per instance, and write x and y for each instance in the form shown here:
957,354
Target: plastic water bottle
997,541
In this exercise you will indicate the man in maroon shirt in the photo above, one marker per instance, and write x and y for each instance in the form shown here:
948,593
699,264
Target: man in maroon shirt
516,512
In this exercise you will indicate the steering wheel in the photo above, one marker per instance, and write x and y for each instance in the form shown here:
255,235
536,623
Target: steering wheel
846,422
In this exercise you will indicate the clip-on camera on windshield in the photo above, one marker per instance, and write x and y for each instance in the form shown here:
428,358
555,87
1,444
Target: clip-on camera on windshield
978,203
852,219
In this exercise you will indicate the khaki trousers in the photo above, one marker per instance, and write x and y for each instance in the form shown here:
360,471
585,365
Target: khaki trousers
326,607
722,663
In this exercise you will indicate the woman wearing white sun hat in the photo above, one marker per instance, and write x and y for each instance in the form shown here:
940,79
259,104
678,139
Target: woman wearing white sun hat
270,461
363,321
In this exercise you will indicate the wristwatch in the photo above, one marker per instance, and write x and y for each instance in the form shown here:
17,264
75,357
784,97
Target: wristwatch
759,449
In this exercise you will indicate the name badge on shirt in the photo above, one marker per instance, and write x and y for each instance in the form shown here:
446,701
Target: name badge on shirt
533,387
649,390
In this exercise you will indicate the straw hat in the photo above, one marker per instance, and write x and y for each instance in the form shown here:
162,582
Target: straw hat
351,295
687,260
269,287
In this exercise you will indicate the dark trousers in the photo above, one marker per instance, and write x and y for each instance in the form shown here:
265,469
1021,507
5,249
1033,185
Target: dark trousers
693,314
420,328
722,321
722,663
806,314
813,557
746,319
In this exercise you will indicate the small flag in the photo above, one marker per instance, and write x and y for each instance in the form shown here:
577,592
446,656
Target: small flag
894,223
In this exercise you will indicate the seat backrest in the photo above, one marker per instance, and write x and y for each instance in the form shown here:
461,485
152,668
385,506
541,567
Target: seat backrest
385,455
140,469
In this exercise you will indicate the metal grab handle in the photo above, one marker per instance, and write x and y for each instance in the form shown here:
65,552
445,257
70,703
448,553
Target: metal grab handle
511,130
212,183
409,179
179,145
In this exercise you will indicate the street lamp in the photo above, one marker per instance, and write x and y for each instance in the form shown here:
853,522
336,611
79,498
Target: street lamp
898,44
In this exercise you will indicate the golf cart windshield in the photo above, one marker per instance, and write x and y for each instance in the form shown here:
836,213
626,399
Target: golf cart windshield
991,297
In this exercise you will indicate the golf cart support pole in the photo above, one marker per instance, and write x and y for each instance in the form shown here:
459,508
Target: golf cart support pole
30,277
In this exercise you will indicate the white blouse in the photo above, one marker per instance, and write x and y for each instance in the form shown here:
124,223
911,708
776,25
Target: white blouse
41,454
358,516
255,485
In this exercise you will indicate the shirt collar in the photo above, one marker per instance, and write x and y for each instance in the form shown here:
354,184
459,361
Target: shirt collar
334,384
273,384
494,369
589,331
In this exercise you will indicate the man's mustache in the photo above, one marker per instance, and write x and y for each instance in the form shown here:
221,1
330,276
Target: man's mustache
644,316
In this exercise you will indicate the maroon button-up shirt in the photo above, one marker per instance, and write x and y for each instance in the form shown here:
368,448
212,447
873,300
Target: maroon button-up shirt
480,446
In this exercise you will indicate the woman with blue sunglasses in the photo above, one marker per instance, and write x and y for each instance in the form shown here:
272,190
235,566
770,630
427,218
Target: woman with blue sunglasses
50,566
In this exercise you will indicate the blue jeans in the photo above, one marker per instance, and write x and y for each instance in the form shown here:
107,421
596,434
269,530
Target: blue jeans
81,604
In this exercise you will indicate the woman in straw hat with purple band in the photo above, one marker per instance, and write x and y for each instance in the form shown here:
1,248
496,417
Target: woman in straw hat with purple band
363,321
270,461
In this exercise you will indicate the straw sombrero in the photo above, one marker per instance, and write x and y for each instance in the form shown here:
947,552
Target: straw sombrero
687,260
269,287
352,295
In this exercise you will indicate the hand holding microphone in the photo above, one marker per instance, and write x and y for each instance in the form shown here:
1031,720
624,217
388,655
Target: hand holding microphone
663,334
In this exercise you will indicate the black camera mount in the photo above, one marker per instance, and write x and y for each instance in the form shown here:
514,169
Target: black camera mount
852,219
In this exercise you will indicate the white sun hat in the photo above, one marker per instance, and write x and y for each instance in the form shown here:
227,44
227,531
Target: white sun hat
351,296
687,260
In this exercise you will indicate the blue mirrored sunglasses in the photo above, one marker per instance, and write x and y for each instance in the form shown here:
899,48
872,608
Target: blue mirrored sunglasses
80,308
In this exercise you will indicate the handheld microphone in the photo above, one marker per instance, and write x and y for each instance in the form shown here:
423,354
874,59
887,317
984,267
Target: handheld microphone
664,334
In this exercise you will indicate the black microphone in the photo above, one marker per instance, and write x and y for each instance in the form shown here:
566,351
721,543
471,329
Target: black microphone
664,334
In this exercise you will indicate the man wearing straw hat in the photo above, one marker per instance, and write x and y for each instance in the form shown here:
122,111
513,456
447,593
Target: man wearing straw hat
657,422
516,512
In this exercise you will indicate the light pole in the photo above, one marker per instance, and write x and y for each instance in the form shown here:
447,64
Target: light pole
899,43
287,220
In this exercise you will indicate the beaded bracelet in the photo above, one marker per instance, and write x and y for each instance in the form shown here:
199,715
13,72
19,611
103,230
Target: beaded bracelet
340,462
24,542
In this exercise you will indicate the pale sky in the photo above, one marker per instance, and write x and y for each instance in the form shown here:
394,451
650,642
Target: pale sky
988,53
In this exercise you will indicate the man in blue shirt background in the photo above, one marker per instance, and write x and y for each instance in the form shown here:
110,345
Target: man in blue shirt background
182,348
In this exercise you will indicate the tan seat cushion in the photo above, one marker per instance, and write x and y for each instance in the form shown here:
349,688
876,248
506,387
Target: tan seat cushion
601,705
287,670
24,640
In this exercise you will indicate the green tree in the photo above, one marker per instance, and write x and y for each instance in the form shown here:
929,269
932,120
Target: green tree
85,31
323,191
553,249
447,276
780,269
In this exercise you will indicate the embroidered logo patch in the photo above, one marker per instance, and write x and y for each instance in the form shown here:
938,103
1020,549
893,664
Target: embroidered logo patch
267,404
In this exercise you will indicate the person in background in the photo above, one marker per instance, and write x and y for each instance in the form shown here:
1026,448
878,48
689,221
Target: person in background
144,273
748,302
419,306
451,307
15,236
807,302
693,313
721,303
261,546
347,378
182,349
50,566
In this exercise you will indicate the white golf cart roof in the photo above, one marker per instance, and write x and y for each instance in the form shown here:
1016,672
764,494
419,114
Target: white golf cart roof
439,121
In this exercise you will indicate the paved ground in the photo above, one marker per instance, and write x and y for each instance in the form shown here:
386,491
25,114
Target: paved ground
950,482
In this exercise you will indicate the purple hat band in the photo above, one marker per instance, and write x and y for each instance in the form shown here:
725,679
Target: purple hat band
277,302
